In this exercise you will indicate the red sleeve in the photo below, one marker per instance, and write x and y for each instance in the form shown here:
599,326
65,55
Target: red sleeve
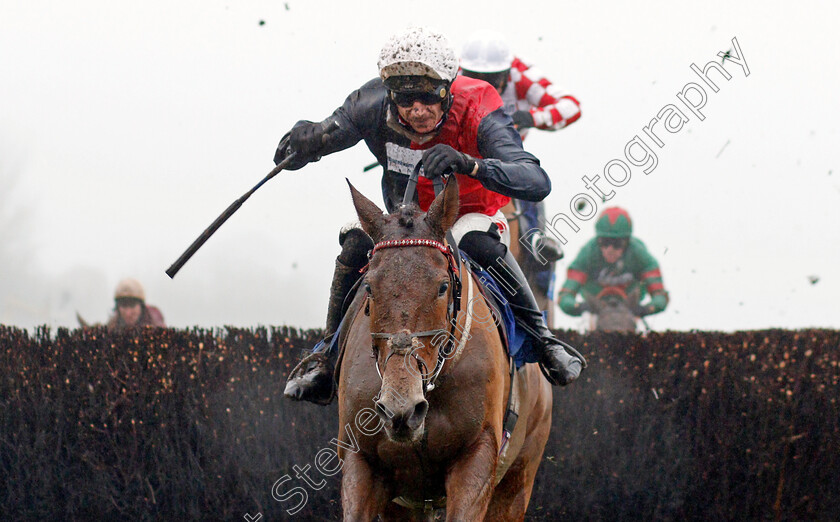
551,107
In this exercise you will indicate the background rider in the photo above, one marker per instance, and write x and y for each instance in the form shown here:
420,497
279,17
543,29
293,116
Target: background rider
130,308
533,102
614,258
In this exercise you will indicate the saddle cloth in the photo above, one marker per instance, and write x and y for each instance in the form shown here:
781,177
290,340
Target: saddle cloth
517,342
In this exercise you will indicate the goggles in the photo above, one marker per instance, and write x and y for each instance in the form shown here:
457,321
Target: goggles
127,302
407,99
615,242
405,90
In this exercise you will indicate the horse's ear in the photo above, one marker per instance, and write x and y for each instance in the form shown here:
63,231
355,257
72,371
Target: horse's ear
444,209
370,216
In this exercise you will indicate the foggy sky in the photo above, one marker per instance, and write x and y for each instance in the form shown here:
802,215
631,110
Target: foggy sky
126,128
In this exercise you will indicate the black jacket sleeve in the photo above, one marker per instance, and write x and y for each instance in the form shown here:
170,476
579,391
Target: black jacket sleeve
358,118
507,168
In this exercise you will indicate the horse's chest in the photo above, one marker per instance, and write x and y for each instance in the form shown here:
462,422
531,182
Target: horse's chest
444,439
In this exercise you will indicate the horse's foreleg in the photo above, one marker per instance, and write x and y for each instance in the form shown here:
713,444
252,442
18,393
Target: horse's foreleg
512,495
363,493
470,480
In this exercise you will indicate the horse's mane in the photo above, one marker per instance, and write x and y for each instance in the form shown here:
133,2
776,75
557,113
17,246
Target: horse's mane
406,222
406,216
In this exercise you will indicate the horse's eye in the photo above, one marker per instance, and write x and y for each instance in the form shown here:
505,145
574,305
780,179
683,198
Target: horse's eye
367,289
443,288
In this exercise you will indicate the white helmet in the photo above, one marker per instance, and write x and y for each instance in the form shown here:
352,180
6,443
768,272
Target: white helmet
486,52
418,51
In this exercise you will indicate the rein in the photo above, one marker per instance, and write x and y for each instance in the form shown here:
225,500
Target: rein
452,255
404,349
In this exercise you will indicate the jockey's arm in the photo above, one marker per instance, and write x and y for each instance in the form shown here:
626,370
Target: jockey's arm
575,280
358,118
550,106
651,279
355,120
506,167
569,304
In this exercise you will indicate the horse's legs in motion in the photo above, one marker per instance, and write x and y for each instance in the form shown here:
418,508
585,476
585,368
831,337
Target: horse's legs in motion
511,497
363,494
396,513
470,481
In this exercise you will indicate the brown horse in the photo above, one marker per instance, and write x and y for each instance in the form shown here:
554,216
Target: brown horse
611,309
423,389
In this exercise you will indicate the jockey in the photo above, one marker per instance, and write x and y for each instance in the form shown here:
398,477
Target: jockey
417,110
533,102
130,308
614,259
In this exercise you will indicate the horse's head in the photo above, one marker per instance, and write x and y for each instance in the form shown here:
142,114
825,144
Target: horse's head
409,284
613,309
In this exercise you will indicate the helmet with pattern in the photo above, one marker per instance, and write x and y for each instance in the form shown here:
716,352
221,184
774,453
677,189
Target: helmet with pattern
129,288
419,61
614,222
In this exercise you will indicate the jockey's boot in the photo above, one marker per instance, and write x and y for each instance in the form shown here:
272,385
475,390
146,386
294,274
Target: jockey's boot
312,379
559,366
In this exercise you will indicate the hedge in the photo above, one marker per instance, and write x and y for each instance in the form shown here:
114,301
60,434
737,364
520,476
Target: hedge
176,424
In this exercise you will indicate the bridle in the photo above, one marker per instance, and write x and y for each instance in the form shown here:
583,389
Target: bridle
450,251
405,349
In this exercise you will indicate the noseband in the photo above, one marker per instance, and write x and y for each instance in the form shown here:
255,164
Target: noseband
405,342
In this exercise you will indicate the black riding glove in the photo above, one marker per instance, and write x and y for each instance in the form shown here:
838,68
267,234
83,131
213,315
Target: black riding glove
283,151
523,119
442,159
306,140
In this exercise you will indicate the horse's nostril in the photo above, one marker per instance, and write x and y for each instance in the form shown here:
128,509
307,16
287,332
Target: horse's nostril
383,412
421,408
419,413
